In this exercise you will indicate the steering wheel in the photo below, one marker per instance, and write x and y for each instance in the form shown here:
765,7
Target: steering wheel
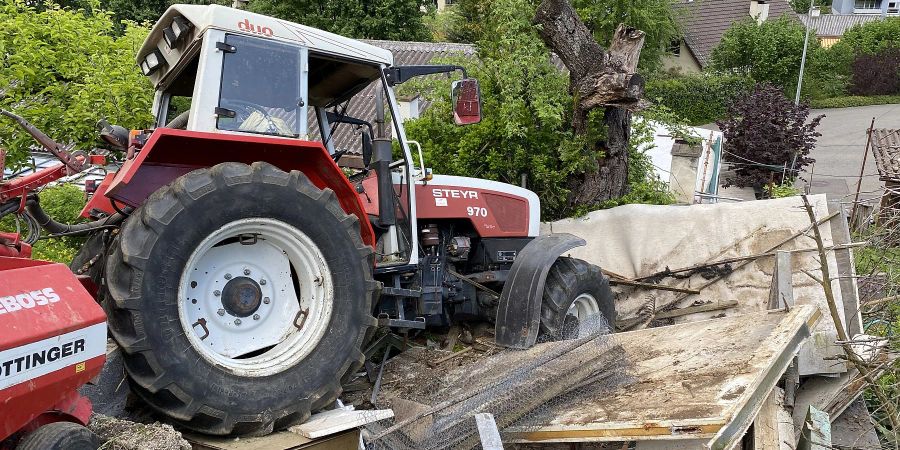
243,110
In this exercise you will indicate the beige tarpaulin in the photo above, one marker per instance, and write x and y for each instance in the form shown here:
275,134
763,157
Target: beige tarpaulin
638,240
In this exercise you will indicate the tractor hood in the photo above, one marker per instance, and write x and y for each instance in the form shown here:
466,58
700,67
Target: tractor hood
203,17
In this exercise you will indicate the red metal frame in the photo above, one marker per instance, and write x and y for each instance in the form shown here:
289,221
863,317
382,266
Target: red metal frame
170,153
52,396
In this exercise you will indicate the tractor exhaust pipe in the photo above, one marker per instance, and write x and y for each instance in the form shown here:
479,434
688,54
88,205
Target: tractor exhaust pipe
381,162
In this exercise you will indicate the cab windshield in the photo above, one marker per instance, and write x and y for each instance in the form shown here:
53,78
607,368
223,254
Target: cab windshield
261,89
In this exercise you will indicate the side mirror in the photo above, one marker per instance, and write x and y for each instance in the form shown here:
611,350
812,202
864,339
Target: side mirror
366,150
114,135
466,97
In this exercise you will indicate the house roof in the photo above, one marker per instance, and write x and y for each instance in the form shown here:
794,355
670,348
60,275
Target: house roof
834,25
703,22
886,150
347,137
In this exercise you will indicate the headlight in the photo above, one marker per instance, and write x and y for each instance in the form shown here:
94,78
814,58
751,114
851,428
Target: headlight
175,33
152,62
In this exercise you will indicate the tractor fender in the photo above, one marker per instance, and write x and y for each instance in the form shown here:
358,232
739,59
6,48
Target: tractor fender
519,310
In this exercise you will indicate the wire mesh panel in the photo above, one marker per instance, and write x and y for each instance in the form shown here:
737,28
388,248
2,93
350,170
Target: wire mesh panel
516,386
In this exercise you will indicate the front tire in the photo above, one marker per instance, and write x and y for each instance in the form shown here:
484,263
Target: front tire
575,293
61,436
241,296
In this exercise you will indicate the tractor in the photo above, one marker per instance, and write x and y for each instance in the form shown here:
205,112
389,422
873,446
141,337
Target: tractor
243,267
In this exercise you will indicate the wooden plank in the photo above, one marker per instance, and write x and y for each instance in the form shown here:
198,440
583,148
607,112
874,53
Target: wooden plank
765,427
336,420
280,440
487,431
691,381
816,432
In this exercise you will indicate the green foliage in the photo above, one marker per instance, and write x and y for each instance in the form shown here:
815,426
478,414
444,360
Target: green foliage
764,133
464,20
64,70
768,52
699,99
785,189
656,18
830,70
400,20
524,109
802,6
854,100
525,128
63,203
644,185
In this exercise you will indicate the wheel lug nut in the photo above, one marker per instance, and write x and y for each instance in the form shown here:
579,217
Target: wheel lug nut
266,300
217,293
221,312
237,321
262,281
227,276
256,317
246,271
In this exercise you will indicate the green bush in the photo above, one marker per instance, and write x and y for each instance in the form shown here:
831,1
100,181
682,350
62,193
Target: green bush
699,99
64,70
63,203
848,101
769,52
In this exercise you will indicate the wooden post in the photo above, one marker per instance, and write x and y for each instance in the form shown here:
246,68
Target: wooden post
781,295
862,170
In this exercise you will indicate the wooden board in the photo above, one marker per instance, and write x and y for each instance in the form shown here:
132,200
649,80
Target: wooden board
704,379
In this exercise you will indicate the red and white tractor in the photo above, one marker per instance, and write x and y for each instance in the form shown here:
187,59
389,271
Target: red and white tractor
243,271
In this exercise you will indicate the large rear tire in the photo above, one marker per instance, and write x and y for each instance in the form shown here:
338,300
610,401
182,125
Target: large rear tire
575,293
241,296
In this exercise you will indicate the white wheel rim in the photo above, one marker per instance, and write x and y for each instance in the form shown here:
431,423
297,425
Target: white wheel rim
583,307
272,325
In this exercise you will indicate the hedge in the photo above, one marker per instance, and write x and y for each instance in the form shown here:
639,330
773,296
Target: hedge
853,100
700,98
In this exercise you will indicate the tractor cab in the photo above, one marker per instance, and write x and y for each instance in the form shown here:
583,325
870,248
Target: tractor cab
231,72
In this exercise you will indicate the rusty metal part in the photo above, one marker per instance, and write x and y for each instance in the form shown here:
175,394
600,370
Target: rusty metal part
303,312
60,151
202,322
477,285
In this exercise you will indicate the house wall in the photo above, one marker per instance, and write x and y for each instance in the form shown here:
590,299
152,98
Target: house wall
875,7
683,62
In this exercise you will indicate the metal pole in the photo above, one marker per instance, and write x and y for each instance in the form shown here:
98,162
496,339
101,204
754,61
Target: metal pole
862,170
803,58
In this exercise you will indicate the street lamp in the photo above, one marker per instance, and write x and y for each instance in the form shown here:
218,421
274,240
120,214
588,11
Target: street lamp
813,12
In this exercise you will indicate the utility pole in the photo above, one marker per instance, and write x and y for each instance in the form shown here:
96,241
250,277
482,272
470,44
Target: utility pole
813,12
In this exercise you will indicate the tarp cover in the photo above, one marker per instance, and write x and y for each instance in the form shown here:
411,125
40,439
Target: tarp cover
639,240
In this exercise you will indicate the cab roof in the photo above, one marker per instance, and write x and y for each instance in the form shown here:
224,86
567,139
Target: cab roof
237,21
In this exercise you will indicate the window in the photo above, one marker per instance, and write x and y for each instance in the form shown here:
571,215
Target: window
260,90
865,4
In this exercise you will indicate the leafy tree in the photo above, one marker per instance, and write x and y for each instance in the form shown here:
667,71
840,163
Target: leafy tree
64,70
525,129
802,6
769,52
764,132
656,18
876,74
361,19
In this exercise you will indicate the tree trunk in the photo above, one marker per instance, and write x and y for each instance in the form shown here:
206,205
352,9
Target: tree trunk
597,78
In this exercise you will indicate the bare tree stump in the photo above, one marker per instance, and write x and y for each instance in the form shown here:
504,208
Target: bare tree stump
597,78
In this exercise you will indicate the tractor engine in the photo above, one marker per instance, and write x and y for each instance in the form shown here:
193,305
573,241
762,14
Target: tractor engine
470,233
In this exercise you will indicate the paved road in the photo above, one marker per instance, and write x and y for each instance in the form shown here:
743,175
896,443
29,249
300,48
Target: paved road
839,152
